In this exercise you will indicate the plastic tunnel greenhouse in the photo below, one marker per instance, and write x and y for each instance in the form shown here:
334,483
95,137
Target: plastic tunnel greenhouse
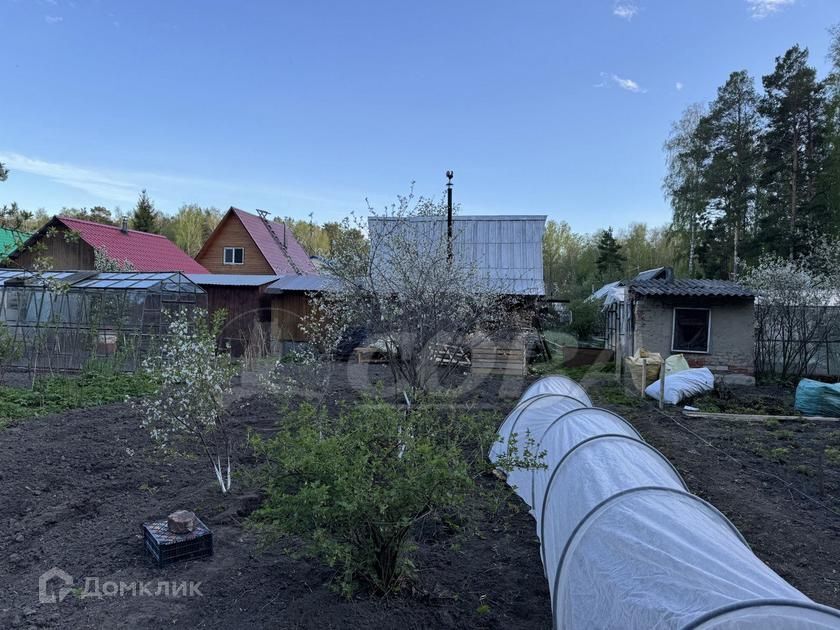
624,544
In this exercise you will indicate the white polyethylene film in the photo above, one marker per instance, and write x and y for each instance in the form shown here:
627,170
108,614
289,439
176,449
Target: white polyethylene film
774,615
531,418
658,559
534,414
591,473
556,384
623,544
563,435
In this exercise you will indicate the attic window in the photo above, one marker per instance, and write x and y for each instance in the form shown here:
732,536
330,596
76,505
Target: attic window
691,330
234,255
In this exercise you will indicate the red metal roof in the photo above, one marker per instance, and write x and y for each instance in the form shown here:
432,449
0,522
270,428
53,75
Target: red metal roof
146,252
277,258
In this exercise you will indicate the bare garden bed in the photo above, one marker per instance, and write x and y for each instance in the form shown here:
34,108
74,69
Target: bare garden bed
77,486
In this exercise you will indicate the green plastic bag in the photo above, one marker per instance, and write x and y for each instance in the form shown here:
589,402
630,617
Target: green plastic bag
814,398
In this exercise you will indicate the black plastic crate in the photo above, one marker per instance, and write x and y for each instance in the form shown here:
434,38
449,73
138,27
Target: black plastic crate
166,547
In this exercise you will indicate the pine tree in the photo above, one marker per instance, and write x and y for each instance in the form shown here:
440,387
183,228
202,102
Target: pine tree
145,218
733,129
794,106
3,173
827,198
610,260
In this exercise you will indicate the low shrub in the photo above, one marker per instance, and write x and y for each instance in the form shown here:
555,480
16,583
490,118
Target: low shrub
354,486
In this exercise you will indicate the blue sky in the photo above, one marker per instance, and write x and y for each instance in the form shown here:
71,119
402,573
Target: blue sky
551,107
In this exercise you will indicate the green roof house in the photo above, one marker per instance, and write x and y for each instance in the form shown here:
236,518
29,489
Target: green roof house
10,240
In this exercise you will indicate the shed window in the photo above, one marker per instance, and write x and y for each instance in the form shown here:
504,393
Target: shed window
691,330
234,255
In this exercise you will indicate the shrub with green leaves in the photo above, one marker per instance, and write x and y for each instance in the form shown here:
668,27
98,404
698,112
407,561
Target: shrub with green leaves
586,319
354,487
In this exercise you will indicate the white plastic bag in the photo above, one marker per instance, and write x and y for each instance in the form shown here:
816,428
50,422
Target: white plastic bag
684,384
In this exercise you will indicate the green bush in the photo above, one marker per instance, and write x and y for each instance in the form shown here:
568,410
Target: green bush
353,487
585,319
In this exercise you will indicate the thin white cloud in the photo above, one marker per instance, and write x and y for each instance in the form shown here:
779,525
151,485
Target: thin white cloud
91,181
679,85
123,186
760,9
625,10
53,19
625,84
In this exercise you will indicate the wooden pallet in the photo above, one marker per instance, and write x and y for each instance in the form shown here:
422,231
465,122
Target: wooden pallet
506,357
447,354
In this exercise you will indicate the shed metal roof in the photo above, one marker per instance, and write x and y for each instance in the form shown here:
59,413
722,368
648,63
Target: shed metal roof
300,283
231,279
690,288
506,250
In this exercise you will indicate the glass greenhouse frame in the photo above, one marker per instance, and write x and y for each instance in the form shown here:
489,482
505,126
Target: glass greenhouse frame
61,320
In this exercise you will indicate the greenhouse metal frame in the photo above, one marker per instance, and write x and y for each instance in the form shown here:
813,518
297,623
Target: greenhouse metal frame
61,320
624,544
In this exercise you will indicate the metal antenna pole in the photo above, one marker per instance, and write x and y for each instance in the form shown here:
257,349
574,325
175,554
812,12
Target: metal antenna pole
449,176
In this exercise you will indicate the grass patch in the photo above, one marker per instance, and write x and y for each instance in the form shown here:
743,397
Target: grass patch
616,394
53,394
555,366
779,454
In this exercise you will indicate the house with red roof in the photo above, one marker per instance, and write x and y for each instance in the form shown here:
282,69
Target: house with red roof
261,276
245,243
69,244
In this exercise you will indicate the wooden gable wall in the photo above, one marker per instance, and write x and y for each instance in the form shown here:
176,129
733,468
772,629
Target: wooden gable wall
59,250
231,233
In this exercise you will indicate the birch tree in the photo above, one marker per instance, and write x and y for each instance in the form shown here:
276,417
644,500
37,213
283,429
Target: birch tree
687,156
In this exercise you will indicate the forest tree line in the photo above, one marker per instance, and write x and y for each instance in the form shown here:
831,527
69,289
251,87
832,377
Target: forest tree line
756,171
753,173
189,227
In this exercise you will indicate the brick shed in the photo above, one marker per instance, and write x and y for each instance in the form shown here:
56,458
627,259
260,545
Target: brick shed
711,322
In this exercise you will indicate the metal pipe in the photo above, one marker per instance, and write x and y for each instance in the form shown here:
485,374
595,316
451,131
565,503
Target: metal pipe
449,176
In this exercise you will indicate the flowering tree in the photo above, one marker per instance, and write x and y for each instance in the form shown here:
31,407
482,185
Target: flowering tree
193,377
797,309
103,262
424,305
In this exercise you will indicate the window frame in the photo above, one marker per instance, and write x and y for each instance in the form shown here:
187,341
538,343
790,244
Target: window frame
708,349
232,250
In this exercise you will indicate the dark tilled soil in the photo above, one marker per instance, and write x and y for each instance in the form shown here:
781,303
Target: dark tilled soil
77,486
761,492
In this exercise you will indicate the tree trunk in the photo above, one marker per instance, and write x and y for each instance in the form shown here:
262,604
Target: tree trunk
793,184
735,252
691,246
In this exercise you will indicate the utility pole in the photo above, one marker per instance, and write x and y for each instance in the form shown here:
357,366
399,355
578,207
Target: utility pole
449,176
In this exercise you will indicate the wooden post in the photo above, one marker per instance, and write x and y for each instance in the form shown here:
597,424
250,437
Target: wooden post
662,386
618,357
644,378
